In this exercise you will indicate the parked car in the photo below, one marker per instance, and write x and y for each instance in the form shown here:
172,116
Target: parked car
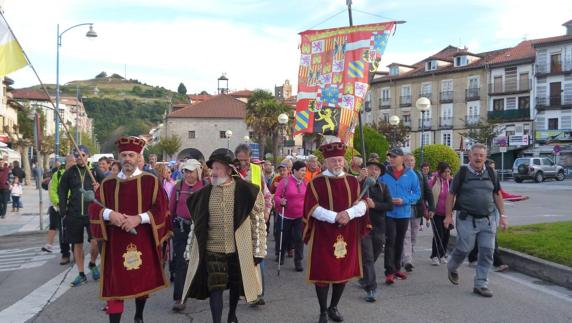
537,169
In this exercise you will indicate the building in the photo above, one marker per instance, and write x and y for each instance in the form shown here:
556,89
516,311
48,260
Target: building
284,91
74,115
9,132
36,98
451,79
203,126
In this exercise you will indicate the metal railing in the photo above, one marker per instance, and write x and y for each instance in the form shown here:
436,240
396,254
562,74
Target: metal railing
446,122
405,101
510,87
472,120
425,123
446,96
472,94
508,115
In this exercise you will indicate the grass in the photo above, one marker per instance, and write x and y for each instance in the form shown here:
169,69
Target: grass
549,241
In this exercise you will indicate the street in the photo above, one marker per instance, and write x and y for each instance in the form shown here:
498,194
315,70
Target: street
35,288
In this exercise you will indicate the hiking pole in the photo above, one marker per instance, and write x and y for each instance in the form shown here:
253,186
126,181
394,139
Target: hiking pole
440,243
281,235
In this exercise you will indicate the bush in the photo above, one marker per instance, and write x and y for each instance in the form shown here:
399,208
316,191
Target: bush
433,154
375,142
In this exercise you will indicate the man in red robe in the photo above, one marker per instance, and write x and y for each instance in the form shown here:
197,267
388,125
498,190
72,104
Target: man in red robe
334,225
131,217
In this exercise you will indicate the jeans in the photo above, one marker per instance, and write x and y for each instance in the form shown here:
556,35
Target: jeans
371,246
410,239
395,230
497,261
483,231
180,264
4,198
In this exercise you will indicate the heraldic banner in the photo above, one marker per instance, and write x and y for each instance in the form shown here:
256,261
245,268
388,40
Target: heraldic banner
333,76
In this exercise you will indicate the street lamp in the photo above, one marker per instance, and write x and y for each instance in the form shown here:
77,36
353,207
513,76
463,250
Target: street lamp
246,139
228,134
423,104
394,121
283,120
90,34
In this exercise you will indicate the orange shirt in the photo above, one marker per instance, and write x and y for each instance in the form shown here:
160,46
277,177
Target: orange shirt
309,175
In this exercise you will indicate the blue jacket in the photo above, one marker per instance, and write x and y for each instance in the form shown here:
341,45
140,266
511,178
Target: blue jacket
406,188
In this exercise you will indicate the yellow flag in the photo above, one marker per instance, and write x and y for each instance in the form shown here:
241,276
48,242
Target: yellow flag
12,56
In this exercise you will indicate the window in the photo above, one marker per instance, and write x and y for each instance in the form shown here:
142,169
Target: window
222,134
474,82
497,84
510,103
523,82
425,138
192,134
394,70
426,90
384,99
406,90
407,142
386,117
524,102
553,124
461,61
431,65
498,105
547,162
407,120
446,138
555,66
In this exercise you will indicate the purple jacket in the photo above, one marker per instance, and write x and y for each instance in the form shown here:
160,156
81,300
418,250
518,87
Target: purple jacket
294,194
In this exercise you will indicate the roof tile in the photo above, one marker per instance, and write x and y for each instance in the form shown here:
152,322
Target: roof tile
220,106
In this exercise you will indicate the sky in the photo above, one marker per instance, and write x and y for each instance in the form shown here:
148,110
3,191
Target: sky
255,42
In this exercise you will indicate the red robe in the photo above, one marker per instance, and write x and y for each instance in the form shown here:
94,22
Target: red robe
131,264
335,194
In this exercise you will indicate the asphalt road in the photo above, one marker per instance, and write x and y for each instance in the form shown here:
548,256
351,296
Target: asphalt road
426,296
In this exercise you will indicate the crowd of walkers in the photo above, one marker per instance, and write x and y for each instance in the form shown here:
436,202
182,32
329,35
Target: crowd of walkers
299,200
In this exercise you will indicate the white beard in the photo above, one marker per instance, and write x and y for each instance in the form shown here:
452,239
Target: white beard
337,172
218,181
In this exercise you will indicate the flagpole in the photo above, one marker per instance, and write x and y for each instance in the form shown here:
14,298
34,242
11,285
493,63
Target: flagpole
49,97
360,124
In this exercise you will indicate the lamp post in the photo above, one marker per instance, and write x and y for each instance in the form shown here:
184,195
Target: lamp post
228,134
246,139
394,121
35,117
283,120
423,104
90,34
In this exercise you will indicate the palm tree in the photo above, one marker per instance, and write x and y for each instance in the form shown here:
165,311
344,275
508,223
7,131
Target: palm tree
262,111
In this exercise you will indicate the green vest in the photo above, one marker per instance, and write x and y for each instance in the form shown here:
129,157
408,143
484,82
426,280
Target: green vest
256,175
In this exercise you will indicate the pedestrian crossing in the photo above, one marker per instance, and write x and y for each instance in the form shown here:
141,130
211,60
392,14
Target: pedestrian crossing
17,259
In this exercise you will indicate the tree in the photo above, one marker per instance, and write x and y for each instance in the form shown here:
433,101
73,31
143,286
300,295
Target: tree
182,89
262,112
433,154
398,134
483,133
374,141
170,145
350,152
101,75
153,149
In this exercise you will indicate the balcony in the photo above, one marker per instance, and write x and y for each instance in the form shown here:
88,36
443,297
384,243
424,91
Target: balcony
405,101
553,102
472,120
552,69
407,123
508,115
425,124
446,122
508,88
472,94
384,103
446,96
428,95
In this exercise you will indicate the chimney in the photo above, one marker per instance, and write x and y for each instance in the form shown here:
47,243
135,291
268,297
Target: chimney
568,26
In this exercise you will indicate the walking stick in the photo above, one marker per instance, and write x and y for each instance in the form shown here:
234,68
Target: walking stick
440,243
281,235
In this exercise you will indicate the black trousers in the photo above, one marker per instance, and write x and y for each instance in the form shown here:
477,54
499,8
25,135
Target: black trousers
497,261
4,199
395,230
291,236
371,246
181,233
56,224
440,237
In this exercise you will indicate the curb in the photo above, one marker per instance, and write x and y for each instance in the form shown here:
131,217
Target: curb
24,233
532,266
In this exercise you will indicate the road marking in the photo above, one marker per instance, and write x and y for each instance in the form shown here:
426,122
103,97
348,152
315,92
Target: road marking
545,290
16,259
33,303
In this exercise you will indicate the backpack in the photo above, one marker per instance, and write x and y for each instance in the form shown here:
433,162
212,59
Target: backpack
463,174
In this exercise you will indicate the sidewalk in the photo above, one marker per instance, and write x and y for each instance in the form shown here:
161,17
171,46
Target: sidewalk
27,220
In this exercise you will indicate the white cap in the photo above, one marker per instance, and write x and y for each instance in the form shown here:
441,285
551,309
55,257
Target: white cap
192,164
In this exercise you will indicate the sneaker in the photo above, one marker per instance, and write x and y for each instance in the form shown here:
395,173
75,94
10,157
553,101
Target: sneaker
178,307
401,275
483,291
79,280
409,267
443,260
435,261
65,260
95,273
501,268
453,277
48,248
370,298
389,279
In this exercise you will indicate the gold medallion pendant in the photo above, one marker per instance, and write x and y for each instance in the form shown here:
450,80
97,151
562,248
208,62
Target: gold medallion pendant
132,257
340,247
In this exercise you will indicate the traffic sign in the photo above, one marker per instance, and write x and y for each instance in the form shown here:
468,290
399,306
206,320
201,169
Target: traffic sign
503,149
556,150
